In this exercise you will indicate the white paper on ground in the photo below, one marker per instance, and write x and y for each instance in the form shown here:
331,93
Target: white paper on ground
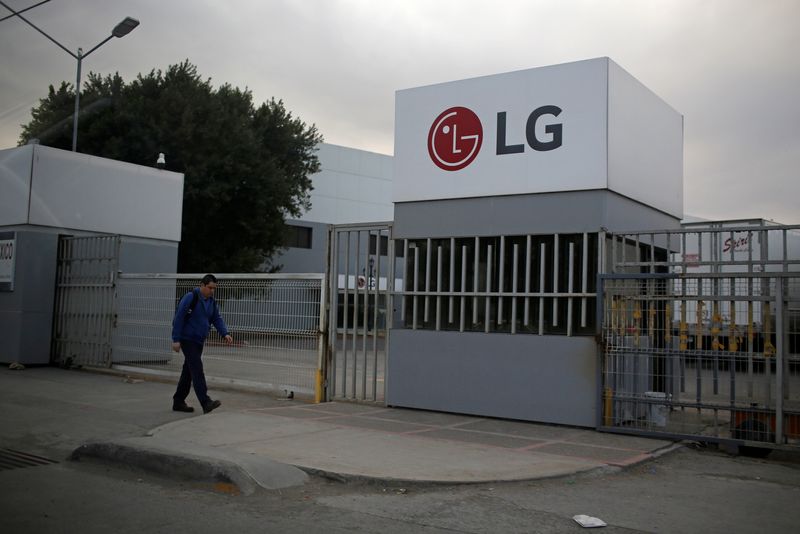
588,521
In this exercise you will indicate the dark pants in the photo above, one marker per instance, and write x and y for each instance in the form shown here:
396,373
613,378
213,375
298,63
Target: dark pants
192,373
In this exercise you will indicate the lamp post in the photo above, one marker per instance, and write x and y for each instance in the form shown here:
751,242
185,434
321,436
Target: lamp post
120,30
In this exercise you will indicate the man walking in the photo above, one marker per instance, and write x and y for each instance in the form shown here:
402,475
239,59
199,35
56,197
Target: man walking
196,312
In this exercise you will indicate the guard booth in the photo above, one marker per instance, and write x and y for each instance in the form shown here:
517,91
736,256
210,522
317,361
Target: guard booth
505,188
69,222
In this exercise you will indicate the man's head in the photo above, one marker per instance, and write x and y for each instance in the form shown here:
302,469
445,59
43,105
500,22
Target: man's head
207,285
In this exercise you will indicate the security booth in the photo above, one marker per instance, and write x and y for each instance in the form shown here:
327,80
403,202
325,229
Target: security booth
505,188
68,223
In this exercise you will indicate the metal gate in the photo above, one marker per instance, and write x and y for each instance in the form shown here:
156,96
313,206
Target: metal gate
84,314
362,277
707,349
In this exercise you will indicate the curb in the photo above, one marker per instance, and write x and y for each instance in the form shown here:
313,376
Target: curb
346,478
184,466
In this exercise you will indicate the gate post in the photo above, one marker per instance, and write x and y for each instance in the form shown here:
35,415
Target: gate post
319,379
602,398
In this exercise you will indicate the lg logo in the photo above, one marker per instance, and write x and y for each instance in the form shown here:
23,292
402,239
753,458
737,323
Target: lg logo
455,137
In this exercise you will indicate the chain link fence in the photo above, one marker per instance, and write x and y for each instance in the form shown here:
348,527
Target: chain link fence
276,320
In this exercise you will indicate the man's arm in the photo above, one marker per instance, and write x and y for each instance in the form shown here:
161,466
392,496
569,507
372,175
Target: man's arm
219,324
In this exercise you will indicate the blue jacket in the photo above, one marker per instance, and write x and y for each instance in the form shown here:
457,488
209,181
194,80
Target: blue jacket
195,327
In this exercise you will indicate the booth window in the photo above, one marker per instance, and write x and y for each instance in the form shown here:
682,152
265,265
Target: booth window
297,236
536,284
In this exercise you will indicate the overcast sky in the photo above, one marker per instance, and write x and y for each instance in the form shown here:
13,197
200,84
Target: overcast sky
731,67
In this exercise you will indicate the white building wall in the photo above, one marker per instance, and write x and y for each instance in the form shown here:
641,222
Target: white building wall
353,186
645,144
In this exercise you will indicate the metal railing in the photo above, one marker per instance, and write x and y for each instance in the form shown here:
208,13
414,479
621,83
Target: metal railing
277,322
84,301
707,248
536,284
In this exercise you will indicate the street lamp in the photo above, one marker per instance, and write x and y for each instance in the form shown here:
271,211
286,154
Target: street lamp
120,30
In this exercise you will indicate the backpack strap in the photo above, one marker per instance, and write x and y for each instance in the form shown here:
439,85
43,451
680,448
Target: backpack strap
193,305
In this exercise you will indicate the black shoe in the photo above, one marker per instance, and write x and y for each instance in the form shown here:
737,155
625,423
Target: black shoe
181,407
211,405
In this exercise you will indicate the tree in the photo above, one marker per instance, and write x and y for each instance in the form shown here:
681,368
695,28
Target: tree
246,168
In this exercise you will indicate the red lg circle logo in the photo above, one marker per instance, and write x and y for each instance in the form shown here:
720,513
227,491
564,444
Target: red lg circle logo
455,138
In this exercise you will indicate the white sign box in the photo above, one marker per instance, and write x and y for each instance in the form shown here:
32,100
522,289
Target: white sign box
576,126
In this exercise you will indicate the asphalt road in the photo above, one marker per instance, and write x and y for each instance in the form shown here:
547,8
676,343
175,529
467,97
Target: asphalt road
690,490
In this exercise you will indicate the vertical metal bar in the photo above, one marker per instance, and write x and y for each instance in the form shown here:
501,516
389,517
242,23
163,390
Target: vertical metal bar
779,358
377,298
428,257
785,252
669,250
699,345
438,287
405,276
716,322
387,329
475,281
613,253
355,312
700,247
652,253
542,250
765,312
501,272
602,244
487,315
113,297
416,286
750,326
365,332
462,318
733,246
527,312
333,329
450,310
555,280
584,277
318,384
683,343
570,287
601,389
514,290
637,253
345,311
732,322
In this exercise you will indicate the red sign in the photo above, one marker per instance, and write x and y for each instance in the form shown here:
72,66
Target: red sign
455,138
738,243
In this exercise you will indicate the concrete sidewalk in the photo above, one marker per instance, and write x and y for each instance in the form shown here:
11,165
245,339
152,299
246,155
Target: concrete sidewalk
254,440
